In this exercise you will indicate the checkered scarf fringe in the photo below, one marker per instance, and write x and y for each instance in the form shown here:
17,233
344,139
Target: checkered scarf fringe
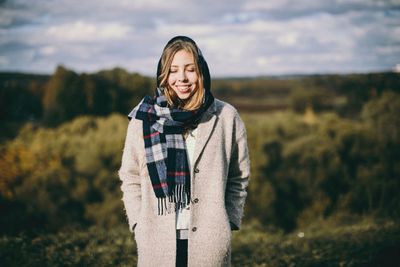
165,148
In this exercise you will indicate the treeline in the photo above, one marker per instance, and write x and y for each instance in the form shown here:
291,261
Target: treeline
66,94
21,96
336,83
344,94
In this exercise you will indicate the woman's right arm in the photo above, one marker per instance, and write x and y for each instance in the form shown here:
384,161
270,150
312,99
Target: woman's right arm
129,173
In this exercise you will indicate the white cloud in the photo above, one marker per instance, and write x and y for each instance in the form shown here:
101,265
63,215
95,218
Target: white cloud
170,29
3,61
48,50
264,5
395,33
260,26
157,4
288,39
83,31
388,50
268,61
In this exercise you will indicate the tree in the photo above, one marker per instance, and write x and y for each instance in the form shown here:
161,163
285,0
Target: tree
64,98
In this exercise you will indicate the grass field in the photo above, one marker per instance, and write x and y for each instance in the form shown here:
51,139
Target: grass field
365,243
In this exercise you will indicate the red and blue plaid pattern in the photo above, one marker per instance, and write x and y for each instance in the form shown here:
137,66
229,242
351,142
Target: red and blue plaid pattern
165,148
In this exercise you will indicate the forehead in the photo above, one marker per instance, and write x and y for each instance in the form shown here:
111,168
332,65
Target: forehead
182,57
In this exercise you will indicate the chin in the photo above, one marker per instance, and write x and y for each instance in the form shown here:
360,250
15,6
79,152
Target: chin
184,97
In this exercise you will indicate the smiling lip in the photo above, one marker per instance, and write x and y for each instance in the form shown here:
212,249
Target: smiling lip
183,88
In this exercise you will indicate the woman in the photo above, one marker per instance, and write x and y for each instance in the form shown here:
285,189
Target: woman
185,166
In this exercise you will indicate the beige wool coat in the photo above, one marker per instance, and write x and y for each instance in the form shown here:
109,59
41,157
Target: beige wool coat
219,178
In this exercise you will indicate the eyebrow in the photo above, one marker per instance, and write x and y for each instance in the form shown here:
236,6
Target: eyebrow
185,65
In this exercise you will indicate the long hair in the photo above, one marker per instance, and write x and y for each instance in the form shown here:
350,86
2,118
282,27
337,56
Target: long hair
196,98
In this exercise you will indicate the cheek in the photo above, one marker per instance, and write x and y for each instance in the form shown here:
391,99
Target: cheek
193,77
171,79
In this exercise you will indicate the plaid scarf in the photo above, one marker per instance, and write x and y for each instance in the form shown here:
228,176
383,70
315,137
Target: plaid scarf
165,148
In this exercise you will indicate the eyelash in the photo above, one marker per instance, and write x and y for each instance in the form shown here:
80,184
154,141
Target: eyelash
174,71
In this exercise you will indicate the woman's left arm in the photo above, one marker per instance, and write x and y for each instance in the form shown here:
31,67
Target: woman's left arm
238,176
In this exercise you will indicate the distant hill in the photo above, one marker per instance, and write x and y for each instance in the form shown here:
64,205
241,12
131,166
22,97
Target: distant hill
349,91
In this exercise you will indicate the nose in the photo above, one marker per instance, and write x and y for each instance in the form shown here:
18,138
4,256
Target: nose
181,76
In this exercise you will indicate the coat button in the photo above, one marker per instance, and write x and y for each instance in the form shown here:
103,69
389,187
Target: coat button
196,170
194,229
196,200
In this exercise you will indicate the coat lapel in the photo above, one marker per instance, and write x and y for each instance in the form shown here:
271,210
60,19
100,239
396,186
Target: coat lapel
204,131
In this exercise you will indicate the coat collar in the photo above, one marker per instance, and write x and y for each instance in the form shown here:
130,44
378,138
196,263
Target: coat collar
204,130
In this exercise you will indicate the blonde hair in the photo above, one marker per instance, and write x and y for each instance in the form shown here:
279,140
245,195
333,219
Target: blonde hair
195,100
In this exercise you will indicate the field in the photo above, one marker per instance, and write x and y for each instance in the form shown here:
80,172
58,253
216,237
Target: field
365,243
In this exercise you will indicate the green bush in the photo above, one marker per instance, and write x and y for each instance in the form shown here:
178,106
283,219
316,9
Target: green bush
64,176
334,164
300,171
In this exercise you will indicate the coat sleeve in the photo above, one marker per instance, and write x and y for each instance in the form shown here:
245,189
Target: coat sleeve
129,175
238,176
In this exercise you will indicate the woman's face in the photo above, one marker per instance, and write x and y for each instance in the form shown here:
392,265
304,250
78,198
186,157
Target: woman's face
182,76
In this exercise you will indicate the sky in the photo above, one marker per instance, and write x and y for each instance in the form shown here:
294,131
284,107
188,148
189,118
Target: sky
237,38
